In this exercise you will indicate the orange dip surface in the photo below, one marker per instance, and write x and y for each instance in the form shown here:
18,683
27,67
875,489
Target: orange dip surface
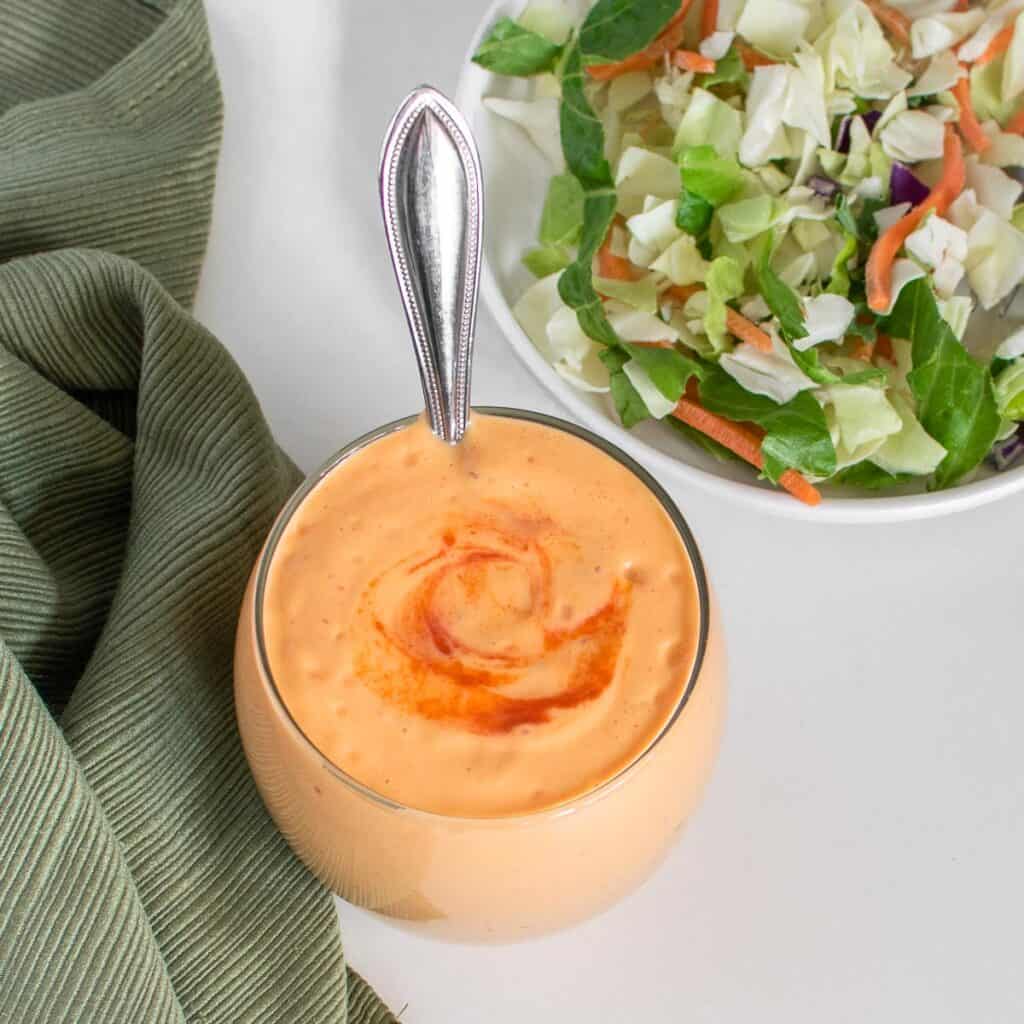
482,630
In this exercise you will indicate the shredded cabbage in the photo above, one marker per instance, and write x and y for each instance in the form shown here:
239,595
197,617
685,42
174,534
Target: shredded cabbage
773,374
827,318
995,258
709,121
938,32
774,26
911,450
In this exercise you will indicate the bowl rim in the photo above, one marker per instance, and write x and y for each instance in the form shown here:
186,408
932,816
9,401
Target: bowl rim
574,804
847,510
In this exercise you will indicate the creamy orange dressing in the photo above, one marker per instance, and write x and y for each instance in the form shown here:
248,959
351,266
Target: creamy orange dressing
485,630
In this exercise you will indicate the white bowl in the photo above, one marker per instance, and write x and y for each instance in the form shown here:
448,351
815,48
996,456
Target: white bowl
515,179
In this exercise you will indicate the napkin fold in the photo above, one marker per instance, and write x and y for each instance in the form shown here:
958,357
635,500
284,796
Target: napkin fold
140,877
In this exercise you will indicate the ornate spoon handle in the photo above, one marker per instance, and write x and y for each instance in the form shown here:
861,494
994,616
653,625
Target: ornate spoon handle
432,199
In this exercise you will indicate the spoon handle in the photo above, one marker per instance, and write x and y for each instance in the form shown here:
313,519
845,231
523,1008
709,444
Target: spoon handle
432,200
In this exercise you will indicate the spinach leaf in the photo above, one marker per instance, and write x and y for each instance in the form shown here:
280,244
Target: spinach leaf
583,145
719,451
547,260
582,133
955,401
796,435
694,214
862,225
869,476
810,363
628,403
781,299
562,219
867,228
510,49
616,29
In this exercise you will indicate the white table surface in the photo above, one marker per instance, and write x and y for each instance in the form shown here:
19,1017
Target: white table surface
858,857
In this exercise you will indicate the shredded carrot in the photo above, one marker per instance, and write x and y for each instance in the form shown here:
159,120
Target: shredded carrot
883,253
961,5
709,18
893,20
683,293
746,330
970,126
615,268
670,39
753,58
1016,123
999,45
799,487
863,350
741,440
688,60
883,348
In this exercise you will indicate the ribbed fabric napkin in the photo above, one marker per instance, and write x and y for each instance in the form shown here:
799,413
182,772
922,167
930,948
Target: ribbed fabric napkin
140,877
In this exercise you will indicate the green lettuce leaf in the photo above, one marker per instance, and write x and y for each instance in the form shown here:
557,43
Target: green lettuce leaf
628,403
714,178
562,219
1009,390
724,282
669,370
510,49
955,400
547,259
781,299
642,294
839,281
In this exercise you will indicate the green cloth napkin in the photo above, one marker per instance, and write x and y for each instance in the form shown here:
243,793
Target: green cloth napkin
140,877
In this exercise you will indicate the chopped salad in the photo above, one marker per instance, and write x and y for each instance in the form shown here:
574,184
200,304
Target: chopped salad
790,229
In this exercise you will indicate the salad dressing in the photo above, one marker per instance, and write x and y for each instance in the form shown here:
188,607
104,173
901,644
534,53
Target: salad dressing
481,630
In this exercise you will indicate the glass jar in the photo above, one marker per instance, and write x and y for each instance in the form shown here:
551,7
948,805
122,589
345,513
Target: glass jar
483,879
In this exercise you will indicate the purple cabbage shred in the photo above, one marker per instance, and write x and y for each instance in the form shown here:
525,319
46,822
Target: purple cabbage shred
906,187
824,186
1007,452
870,119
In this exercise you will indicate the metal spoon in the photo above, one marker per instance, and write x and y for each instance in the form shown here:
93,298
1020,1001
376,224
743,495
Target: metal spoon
432,199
